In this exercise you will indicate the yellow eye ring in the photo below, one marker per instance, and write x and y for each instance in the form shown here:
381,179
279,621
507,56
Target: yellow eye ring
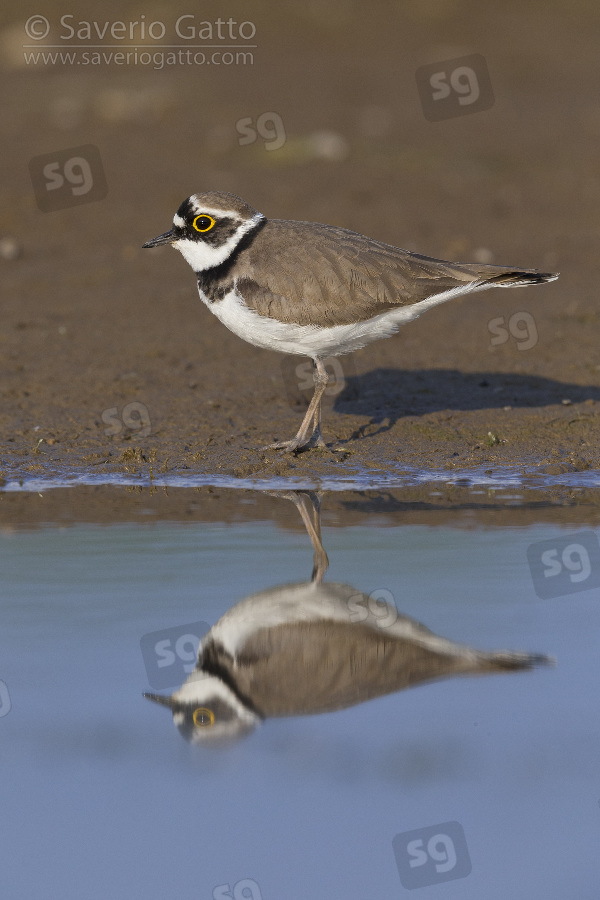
203,713
202,219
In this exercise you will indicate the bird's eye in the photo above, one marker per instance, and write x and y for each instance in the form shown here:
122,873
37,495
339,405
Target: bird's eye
203,223
203,717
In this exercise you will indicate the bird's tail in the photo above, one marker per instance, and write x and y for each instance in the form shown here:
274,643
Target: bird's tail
516,278
507,659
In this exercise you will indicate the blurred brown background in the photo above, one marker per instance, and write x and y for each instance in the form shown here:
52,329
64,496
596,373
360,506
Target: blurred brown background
91,323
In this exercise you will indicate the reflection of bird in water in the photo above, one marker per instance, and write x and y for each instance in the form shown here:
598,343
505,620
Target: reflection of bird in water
311,648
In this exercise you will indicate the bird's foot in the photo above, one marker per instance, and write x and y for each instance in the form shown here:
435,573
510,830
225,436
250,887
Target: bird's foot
288,446
299,444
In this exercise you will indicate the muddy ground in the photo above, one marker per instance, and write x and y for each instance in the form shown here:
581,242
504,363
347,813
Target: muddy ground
108,360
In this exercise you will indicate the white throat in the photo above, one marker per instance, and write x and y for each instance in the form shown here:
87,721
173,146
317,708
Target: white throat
200,688
202,256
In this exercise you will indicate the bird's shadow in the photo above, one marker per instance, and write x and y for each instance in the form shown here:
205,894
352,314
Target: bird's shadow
387,395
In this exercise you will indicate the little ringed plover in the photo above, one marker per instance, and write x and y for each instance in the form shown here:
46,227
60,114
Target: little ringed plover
313,290
303,649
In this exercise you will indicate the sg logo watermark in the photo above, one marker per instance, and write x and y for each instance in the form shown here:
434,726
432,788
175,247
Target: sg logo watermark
269,126
68,178
379,604
565,565
5,704
134,416
299,379
246,889
431,855
170,655
521,326
456,87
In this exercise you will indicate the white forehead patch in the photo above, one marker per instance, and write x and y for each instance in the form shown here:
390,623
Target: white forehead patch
178,221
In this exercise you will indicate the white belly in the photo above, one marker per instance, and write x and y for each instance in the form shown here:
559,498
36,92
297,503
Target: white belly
310,340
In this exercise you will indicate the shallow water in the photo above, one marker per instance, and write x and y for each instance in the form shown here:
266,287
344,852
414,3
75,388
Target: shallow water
393,476
102,797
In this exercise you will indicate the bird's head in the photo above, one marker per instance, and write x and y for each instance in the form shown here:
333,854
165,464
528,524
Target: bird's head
206,710
208,227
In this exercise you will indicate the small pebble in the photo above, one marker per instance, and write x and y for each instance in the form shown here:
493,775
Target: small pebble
329,145
9,249
483,255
